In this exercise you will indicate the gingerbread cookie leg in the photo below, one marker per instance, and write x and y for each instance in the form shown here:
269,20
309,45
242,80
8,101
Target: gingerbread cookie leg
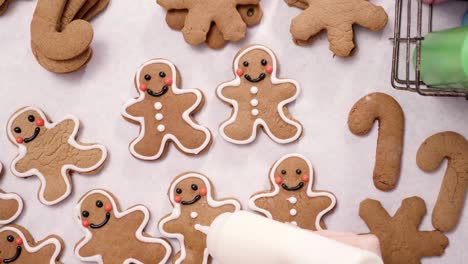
306,25
240,129
371,16
149,145
281,127
198,28
197,139
341,39
11,206
56,185
227,26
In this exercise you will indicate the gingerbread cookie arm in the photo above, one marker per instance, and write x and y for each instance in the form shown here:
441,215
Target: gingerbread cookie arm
133,109
259,203
372,212
385,109
87,249
73,40
173,4
435,243
306,25
370,16
169,225
451,199
11,206
411,211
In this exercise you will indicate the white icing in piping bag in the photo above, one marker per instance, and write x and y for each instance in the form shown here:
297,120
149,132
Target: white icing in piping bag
247,238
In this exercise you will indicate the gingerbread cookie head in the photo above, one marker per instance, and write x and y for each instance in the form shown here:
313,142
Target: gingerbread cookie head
164,112
101,220
18,246
27,126
189,191
259,99
292,198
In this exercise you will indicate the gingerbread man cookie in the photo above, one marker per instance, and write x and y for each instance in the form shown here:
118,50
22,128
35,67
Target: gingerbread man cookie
192,196
18,246
115,236
164,112
50,152
291,199
258,99
202,14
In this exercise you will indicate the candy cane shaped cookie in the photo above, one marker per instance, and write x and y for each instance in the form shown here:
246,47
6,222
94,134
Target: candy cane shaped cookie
454,148
385,109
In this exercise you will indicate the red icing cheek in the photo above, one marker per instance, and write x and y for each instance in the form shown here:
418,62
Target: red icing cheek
305,178
19,241
240,72
19,140
168,81
269,69
85,223
39,122
108,207
143,87
177,199
203,191
278,180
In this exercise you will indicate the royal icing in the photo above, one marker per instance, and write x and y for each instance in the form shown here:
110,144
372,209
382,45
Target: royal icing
254,90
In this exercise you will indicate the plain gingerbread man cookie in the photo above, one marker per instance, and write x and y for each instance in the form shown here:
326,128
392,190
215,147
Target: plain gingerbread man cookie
50,152
115,236
258,99
17,246
192,196
164,112
291,199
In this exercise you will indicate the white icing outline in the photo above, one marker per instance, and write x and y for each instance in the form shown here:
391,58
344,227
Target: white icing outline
11,196
258,121
310,192
49,241
66,167
176,212
185,115
138,233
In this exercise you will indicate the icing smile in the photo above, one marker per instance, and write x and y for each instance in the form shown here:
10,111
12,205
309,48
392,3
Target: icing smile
31,138
194,200
258,79
15,257
160,93
101,224
295,188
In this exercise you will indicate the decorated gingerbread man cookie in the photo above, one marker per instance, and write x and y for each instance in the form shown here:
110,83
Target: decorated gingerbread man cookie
202,14
18,246
192,196
115,236
291,199
258,99
164,113
50,152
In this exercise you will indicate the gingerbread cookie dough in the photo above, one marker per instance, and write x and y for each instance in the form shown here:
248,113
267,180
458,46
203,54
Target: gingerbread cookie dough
116,236
400,238
251,15
18,246
453,147
192,196
50,151
164,113
291,198
258,99
202,14
337,17
385,109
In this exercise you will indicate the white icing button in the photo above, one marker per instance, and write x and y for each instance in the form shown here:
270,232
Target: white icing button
292,200
194,214
161,128
254,90
158,106
293,212
255,112
254,102
294,223
159,116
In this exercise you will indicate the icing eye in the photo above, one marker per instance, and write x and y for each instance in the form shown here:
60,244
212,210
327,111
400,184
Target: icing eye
147,77
298,171
246,63
283,172
31,118
85,214
264,62
178,190
99,203
17,130
162,74
10,238
194,187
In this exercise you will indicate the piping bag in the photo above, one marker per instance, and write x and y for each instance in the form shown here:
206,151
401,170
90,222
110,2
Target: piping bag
247,238
444,58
